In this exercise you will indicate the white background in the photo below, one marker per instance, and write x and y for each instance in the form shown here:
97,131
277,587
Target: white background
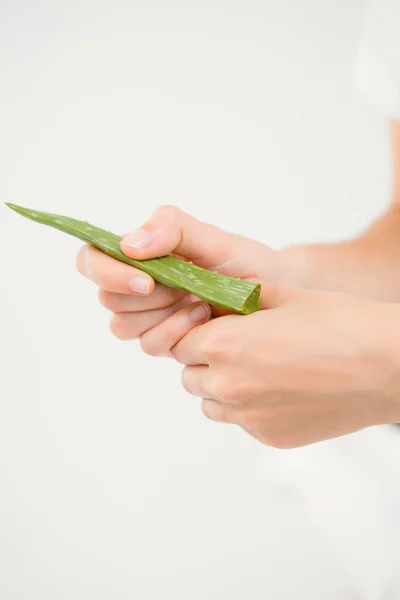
112,483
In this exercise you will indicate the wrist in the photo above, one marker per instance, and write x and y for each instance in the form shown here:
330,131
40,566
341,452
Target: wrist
329,267
296,267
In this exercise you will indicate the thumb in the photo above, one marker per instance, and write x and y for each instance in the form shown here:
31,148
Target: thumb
172,231
274,296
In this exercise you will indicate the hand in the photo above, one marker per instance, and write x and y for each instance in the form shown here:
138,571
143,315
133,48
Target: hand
314,367
141,305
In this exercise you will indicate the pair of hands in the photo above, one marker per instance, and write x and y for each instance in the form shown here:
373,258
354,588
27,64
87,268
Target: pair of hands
308,367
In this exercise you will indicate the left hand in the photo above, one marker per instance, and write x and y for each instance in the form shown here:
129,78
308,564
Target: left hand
313,367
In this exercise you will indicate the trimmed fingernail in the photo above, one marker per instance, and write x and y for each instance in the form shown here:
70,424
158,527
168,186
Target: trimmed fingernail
138,239
139,285
199,313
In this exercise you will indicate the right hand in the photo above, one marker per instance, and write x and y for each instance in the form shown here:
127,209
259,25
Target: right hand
151,311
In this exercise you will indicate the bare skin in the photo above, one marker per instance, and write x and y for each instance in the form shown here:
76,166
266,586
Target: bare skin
306,370
367,266
325,364
396,161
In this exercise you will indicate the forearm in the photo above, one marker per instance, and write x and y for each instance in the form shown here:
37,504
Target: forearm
367,266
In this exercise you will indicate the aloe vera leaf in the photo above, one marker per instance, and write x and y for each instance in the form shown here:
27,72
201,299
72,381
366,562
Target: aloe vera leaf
238,296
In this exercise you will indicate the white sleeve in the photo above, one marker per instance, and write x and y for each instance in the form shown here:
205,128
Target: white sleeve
378,61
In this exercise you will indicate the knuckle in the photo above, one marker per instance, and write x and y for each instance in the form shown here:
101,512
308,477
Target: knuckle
149,345
214,411
118,328
108,300
208,410
174,352
103,281
227,389
168,212
185,379
218,347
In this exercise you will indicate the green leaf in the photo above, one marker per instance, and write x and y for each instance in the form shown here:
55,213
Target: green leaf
238,296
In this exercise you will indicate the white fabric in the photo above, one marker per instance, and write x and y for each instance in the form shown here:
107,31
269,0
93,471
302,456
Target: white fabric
378,64
350,489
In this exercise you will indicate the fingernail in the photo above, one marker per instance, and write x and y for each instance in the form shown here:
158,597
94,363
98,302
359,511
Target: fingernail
199,313
139,285
138,239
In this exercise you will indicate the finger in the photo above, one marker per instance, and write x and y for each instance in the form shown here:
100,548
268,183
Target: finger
208,342
218,412
198,381
159,340
216,311
130,326
170,230
273,296
203,381
112,275
161,297
191,349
